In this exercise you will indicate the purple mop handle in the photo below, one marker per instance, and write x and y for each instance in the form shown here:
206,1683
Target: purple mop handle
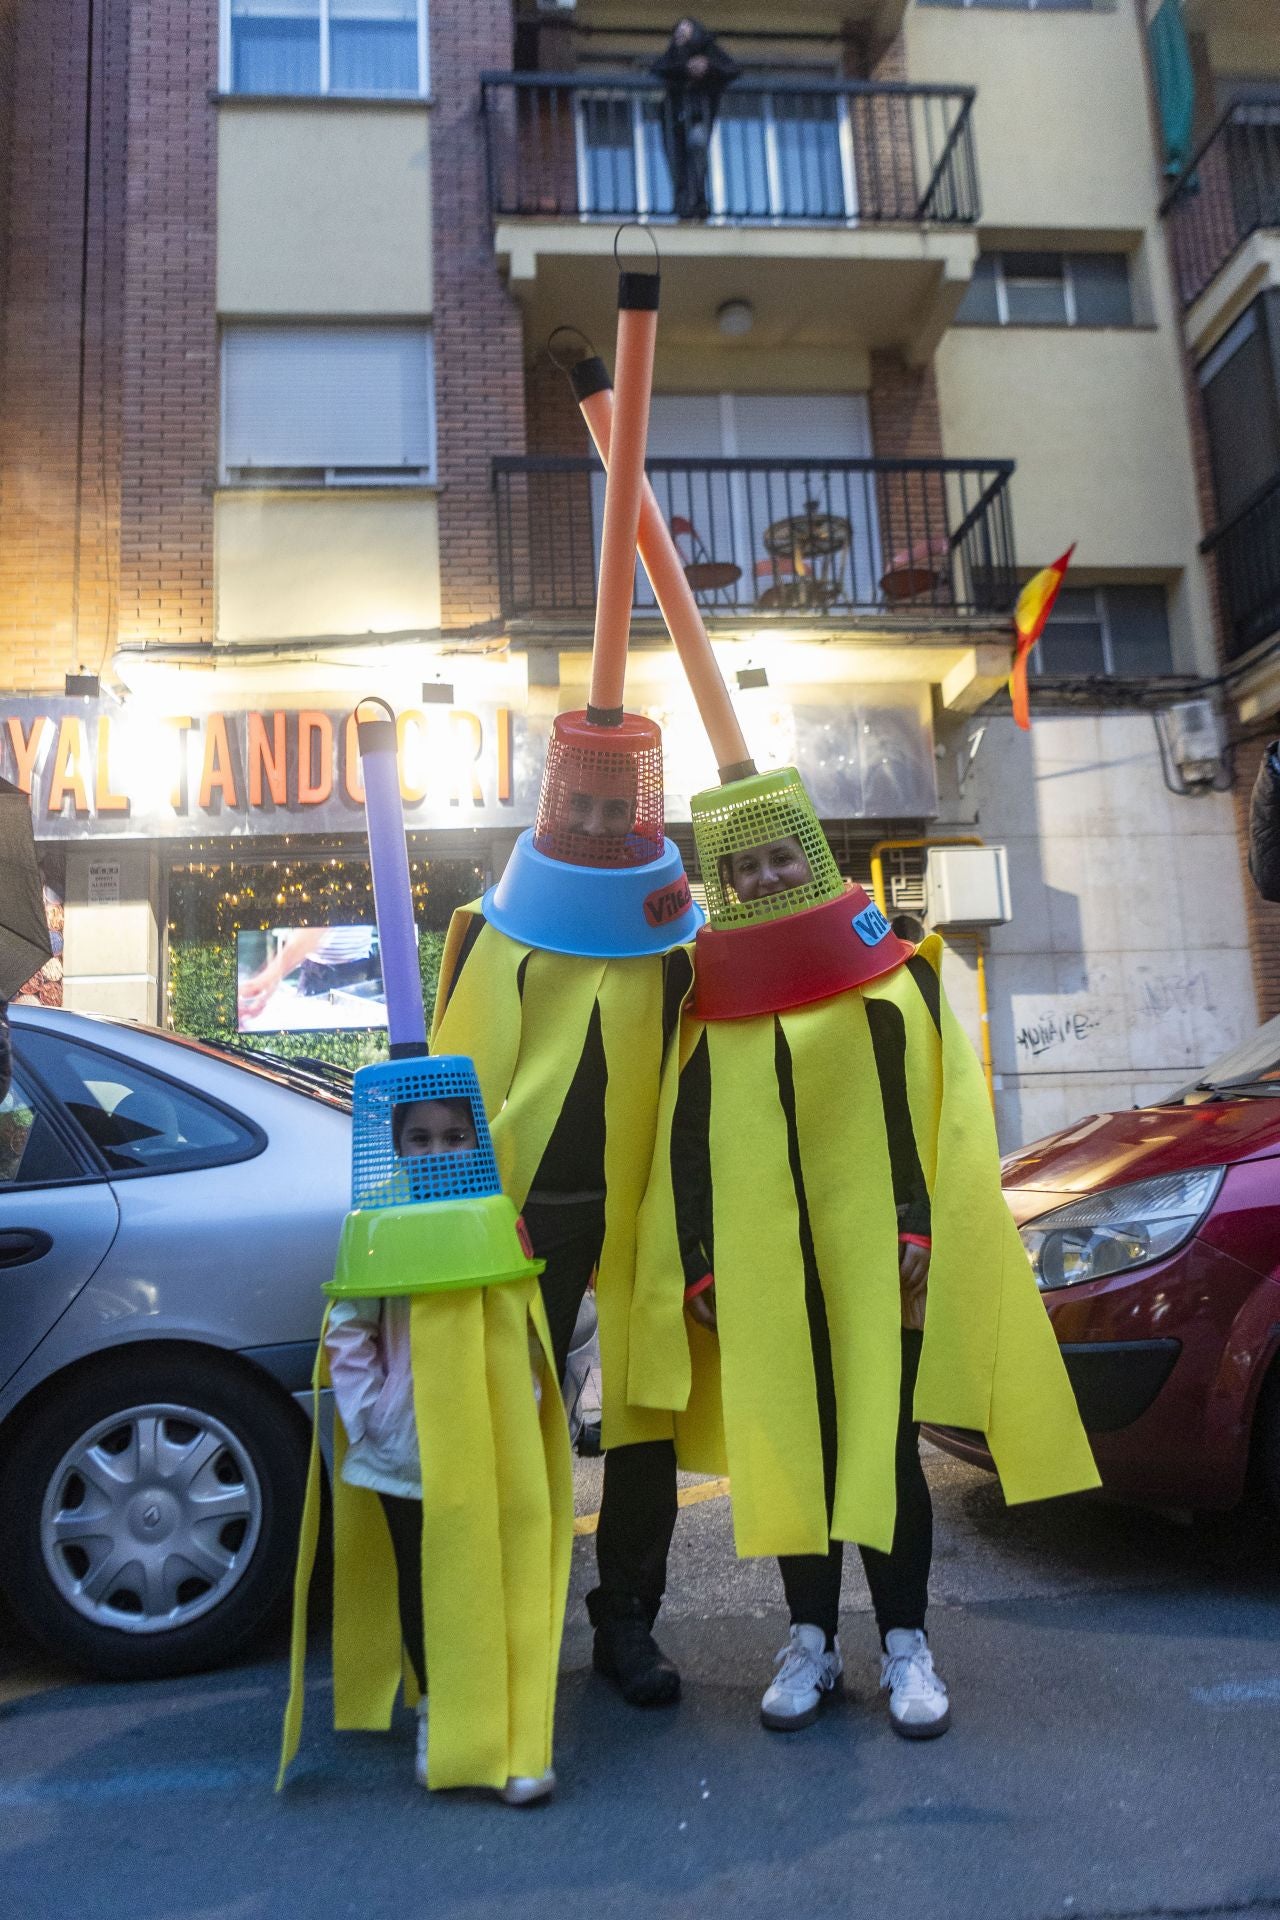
392,895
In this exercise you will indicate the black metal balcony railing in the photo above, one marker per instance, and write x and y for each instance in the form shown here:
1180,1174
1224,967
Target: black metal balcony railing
1247,550
561,145
770,539
1230,190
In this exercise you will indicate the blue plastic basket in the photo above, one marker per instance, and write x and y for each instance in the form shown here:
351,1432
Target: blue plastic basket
605,912
379,1176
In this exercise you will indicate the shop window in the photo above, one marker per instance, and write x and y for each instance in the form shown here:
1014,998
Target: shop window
1241,388
1049,290
138,1122
362,48
327,406
1121,632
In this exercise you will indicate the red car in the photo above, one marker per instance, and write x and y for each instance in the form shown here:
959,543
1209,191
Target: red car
1155,1239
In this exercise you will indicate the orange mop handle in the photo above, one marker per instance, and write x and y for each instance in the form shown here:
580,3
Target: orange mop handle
671,588
623,487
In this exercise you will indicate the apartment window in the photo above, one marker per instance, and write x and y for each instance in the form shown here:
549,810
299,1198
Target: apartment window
1120,631
364,48
327,406
1048,290
1240,381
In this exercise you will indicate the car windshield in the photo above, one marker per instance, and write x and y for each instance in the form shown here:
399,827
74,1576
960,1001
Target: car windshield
318,1079
1252,1069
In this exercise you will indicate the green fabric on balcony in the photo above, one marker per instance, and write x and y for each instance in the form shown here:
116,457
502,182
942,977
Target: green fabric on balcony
1175,83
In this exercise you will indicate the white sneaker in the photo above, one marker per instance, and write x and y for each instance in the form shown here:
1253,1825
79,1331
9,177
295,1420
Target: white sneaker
918,1703
808,1671
522,1789
420,1758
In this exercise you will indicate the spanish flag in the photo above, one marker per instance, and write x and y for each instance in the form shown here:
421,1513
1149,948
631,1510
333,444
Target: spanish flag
1035,604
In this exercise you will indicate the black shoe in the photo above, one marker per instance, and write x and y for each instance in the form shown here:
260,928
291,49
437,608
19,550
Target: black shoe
626,1652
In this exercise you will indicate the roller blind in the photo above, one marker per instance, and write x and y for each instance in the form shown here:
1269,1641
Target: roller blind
322,397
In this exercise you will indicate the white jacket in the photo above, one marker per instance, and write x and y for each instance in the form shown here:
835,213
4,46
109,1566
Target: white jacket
367,1343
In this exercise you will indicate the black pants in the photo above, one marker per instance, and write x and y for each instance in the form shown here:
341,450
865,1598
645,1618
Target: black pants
898,1580
404,1519
638,1505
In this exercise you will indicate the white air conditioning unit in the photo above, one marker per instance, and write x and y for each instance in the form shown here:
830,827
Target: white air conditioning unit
967,887
557,6
1192,746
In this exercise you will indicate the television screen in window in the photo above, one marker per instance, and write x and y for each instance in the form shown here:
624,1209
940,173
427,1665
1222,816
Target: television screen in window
308,979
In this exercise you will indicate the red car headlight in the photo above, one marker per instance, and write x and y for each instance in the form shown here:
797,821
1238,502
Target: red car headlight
1123,1227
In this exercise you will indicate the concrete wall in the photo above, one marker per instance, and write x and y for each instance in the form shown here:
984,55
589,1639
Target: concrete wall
290,564
111,950
323,210
1126,966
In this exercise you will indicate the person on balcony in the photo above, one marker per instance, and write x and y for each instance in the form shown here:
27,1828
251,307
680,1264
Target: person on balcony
694,71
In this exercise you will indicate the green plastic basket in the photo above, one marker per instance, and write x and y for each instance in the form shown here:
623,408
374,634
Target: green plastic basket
751,813
430,1247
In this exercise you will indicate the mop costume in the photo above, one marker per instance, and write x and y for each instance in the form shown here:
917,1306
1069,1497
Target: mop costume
435,1275
564,984
829,1104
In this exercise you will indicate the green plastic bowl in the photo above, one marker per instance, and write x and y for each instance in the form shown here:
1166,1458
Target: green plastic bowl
431,1247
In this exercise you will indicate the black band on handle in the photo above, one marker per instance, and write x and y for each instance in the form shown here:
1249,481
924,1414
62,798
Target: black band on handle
737,770
604,716
375,736
638,292
588,377
408,1049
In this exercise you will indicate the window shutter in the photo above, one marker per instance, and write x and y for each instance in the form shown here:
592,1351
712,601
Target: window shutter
357,397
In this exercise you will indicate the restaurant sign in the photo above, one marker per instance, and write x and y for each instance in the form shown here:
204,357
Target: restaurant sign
106,769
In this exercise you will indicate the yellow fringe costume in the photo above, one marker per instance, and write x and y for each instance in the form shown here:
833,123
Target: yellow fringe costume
989,1362
497,1531
526,1048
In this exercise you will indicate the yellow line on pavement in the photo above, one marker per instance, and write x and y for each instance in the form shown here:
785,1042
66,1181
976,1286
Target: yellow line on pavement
687,1497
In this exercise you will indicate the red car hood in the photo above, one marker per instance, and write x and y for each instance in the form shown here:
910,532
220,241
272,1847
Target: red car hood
1110,1149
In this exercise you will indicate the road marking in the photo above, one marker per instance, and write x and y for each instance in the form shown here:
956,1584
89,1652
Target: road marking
1238,1693
687,1497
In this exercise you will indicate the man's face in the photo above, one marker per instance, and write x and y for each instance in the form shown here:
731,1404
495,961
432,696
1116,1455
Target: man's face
605,816
773,867
437,1126
683,32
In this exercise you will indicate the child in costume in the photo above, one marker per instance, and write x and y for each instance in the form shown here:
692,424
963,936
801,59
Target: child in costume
829,1129
811,1665
452,1489
564,984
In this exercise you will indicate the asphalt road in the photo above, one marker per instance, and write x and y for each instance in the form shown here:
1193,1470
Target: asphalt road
1115,1752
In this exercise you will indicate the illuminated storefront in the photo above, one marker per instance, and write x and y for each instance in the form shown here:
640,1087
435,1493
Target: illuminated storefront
199,838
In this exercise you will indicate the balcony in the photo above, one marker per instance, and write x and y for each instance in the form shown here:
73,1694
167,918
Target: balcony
870,192
828,546
1247,550
1224,219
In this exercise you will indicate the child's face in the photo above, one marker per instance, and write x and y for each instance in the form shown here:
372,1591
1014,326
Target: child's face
775,867
436,1126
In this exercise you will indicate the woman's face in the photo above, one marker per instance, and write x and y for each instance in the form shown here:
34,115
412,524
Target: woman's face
774,867
605,816
437,1126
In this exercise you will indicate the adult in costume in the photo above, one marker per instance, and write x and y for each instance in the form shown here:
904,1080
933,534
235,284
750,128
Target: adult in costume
564,984
452,1485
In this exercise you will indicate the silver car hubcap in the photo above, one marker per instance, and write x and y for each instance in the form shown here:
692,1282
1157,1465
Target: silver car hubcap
151,1518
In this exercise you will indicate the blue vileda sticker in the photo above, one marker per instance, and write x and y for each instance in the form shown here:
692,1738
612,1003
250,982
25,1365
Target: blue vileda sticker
870,926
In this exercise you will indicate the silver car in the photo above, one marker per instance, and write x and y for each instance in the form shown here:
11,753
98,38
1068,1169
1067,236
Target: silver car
168,1212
